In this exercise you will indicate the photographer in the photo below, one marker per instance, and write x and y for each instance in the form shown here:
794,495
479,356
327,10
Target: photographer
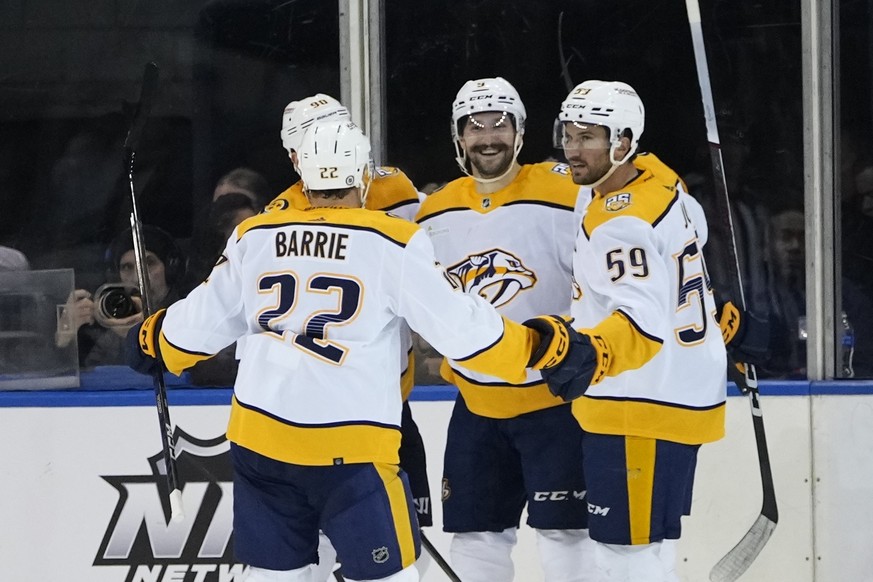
102,320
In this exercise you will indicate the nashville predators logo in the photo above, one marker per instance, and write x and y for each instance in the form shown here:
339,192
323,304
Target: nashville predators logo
277,204
495,275
618,202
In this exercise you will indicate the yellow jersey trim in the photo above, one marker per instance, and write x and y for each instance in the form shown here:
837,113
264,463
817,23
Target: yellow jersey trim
690,426
391,227
500,401
646,197
624,337
177,359
508,356
550,186
313,445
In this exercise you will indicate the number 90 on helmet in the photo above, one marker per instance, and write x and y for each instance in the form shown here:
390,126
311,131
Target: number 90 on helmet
335,155
611,104
300,115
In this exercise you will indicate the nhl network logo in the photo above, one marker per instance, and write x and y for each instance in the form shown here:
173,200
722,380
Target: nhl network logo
141,536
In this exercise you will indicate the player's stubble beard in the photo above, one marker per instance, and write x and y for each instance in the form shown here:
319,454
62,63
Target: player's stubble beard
491,166
590,172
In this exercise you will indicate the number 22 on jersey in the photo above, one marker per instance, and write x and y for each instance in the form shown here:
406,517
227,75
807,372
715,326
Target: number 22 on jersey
284,288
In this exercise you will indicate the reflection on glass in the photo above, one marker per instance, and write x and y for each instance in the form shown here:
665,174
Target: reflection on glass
855,331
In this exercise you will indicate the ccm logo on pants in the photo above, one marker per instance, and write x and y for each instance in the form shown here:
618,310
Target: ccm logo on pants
557,495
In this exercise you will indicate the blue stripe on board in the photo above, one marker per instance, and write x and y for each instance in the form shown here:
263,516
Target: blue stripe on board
118,386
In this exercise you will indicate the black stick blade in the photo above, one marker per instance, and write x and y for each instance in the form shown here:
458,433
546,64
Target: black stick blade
143,107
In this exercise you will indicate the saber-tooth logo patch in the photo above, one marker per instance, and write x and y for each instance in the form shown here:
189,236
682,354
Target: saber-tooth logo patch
496,275
141,536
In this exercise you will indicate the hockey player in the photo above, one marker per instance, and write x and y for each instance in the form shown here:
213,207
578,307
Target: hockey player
392,191
643,302
320,294
505,232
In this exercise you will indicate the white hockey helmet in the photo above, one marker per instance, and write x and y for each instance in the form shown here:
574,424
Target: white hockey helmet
299,115
611,104
334,155
485,95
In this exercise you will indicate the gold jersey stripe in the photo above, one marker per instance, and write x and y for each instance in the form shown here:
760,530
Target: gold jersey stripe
399,511
505,401
690,426
389,189
312,445
390,227
507,356
553,187
640,459
177,359
629,345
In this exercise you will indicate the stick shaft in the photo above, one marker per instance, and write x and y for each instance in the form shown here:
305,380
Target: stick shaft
443,564
150,81
741,556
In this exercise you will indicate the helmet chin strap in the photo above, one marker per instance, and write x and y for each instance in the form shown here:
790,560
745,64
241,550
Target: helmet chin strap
364,189
462,162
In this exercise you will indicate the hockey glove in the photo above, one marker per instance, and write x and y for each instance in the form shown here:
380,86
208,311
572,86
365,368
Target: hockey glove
141,345
746,336
569,361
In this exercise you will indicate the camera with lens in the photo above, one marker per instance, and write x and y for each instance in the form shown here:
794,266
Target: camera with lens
116,301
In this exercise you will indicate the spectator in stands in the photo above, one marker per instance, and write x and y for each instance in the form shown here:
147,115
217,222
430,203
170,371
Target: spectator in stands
244,181
786,282
102,321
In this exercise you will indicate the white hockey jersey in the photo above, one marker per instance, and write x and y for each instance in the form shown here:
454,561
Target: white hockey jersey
392,191
320,296
513,247
640,283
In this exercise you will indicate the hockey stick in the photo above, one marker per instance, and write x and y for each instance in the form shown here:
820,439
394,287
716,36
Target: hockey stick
565,63
149,85
438,558
736,561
